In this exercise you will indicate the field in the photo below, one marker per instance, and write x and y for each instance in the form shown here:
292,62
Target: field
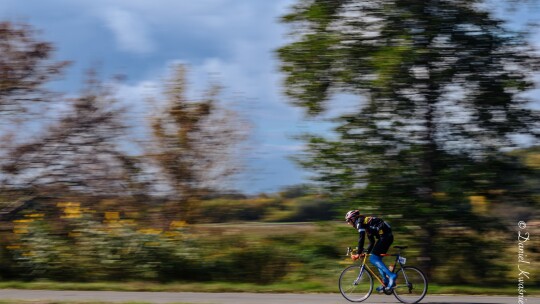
264,244
313,254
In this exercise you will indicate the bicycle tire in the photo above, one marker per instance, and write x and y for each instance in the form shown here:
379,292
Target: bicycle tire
412,290
353,287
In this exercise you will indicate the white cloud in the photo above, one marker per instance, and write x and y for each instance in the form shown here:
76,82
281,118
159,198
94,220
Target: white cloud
130,32
136,101
230,42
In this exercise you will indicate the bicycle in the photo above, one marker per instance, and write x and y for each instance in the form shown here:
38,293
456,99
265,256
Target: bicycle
356,281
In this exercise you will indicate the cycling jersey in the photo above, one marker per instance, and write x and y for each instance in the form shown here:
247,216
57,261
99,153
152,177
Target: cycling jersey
375,228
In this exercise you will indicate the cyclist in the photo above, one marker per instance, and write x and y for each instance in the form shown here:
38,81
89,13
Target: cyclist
374,228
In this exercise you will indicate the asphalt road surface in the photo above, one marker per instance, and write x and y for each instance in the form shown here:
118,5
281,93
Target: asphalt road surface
233,298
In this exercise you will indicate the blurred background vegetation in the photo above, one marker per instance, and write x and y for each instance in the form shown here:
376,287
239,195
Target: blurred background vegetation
443,145
291,238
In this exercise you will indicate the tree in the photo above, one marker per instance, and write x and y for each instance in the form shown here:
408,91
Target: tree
196,142
25,67
81,152
441,83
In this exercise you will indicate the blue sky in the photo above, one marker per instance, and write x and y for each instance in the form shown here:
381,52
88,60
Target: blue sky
228,39
233,40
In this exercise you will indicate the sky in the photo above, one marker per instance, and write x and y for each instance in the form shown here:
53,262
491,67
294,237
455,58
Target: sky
232,41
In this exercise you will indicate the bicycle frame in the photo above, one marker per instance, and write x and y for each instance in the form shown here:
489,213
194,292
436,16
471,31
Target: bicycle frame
396,262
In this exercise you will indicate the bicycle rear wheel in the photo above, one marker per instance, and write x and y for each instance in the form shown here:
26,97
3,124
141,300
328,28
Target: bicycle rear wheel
355,286
411,285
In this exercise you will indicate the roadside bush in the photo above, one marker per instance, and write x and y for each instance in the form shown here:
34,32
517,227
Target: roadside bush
304,209
89,251
255,263
77,247
224,210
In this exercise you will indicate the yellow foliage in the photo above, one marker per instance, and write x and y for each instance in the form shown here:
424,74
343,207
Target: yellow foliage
132,214
25,221
72,213
127,222
533,160
178,224
21,226
172,234
150,231
479,203
68,204
71,210
440,195
20,230
113,224
108,202
112,215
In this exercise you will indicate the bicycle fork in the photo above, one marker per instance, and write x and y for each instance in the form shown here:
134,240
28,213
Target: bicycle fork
359,275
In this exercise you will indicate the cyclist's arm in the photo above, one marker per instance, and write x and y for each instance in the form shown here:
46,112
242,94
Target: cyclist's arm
371,243
361,240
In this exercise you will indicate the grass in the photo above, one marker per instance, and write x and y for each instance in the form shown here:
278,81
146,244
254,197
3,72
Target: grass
282,287
314,270
170,287
70,302
479,290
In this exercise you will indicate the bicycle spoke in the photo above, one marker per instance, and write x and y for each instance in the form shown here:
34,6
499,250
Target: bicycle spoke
354,286
350,290
411,285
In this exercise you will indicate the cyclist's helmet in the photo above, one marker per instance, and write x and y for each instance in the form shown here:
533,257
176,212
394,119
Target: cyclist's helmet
352,215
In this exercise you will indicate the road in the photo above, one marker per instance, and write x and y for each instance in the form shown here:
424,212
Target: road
234,298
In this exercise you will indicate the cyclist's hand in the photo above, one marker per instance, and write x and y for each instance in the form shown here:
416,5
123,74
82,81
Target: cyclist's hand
355,257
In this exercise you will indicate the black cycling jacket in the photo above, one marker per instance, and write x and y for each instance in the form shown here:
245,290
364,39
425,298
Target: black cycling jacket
374,227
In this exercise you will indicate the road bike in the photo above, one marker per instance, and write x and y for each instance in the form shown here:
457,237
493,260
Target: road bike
356,281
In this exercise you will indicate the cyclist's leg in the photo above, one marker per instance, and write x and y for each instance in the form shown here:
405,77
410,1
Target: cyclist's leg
385,280
377,249
381,247
385,272
383,275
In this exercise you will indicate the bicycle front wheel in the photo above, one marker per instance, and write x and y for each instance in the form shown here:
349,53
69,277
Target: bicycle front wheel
354,285
411,285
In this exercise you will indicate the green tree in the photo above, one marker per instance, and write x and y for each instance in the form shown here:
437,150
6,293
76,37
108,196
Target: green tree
441,85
